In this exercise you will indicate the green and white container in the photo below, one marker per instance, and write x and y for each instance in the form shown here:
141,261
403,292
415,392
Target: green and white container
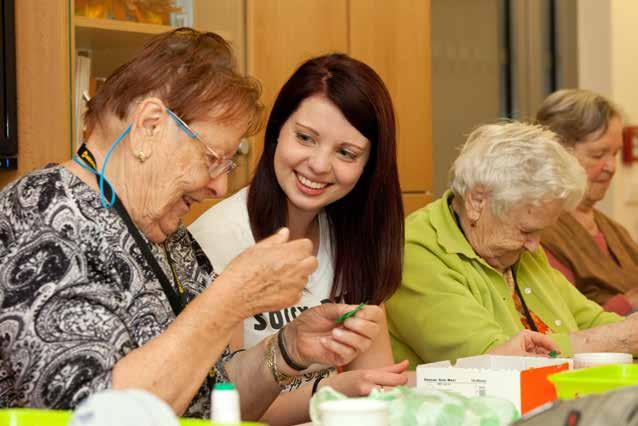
225,404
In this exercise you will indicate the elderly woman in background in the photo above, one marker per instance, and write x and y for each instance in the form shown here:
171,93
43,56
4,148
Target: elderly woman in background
102,287
474,274
594,252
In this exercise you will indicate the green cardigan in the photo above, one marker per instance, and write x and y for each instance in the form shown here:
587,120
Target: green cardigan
452,304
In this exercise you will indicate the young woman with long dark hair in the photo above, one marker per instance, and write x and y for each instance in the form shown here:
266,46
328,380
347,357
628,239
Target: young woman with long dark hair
328,172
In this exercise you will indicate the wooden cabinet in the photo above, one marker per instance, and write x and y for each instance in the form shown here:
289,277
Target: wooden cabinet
391,36
282,35
414,201
42,64
270,37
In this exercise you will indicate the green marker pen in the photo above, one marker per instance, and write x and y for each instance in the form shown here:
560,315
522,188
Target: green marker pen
348,314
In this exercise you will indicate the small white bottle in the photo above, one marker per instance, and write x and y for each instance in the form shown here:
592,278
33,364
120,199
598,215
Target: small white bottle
225,404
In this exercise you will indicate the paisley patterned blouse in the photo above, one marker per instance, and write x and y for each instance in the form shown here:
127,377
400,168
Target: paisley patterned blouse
76,294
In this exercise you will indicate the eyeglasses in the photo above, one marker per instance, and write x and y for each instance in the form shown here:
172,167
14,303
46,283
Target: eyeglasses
219,165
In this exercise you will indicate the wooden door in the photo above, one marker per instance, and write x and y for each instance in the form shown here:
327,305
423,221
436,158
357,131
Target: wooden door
394,39
282,34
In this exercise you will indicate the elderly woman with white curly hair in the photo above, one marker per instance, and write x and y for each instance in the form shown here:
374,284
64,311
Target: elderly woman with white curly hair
474,273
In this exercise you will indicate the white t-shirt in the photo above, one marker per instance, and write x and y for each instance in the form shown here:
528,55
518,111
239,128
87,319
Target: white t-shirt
224,232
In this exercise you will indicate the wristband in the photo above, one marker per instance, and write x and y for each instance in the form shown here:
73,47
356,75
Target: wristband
281,342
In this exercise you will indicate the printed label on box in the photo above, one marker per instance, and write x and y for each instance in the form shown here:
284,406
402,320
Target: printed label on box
498,376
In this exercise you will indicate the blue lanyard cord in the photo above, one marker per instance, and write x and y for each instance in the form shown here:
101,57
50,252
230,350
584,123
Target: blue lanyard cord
174,297
101,174
102,197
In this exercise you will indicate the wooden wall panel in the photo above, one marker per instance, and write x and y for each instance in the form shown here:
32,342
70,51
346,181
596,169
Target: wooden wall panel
393,37
42,63
284,33
226,18
414,201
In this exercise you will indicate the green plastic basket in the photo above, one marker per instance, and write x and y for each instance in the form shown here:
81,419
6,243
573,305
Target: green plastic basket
34,417
571,384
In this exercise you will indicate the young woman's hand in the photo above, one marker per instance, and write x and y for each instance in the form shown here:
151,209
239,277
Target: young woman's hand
361,382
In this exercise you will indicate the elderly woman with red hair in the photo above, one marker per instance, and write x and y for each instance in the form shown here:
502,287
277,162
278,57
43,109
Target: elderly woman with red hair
102,287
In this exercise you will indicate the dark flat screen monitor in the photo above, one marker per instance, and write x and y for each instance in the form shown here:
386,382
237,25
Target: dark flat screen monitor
8,110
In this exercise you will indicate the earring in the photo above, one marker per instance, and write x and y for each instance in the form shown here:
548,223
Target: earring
141,156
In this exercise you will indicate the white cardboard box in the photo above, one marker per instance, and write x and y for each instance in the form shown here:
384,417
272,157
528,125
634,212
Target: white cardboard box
494,375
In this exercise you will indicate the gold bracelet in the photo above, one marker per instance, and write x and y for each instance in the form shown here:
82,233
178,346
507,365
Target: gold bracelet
282,379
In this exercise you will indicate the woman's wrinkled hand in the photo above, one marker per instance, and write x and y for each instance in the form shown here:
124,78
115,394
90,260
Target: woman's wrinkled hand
315,337
272,274
527,343
361,382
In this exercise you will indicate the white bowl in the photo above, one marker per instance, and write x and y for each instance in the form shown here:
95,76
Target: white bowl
594,359
354,411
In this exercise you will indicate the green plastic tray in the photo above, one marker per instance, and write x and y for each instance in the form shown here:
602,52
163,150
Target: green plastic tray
571,384
33,417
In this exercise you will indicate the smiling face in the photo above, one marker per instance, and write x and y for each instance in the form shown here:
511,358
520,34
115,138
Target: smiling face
319,157
180,176
598,156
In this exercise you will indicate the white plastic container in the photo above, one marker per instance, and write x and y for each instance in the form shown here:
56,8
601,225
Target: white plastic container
354,411
225,404
595,359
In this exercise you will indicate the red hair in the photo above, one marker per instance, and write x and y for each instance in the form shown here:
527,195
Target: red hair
190,71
